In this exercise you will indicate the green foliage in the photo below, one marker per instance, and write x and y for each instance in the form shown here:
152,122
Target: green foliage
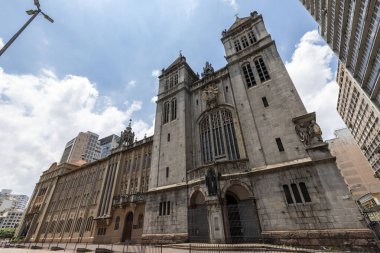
7,232
17,239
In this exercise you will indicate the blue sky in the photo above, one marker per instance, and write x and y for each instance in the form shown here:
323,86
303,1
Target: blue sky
96,67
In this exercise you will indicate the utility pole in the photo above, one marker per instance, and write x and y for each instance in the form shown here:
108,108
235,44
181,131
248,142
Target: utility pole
33,14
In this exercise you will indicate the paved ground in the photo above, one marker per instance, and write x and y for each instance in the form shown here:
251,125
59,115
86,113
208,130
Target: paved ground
179,248
114,248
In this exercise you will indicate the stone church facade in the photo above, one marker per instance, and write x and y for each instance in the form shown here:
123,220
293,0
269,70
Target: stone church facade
234,157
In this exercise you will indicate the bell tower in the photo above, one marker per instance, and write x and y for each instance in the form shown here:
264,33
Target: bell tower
166,206
263,90
171,151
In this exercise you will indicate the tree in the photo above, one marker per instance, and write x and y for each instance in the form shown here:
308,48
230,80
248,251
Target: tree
7,232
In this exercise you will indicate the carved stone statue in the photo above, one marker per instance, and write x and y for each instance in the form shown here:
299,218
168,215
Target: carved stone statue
308,130
210,95
315,132
302,132
211,182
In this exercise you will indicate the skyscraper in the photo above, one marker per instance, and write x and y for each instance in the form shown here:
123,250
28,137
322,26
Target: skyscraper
107,144
83,147
360,115
351,28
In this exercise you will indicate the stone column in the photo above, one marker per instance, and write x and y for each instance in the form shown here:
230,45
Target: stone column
215,220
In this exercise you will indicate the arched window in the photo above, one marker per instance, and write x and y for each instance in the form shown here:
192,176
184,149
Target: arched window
237,45
296,193
262,69
248,75
252,37
166,112
305,192
173,109
140,221
117,223
218,138
89,223
244,41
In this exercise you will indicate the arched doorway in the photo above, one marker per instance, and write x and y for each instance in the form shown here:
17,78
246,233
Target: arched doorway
128,224
198,219
234,221
242,220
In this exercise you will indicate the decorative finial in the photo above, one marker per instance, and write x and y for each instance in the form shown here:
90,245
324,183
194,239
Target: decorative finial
207,69
180,53
236,15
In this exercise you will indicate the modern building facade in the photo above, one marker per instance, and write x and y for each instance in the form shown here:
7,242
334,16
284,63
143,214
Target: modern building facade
83,147
10,202
351,28
11,219
107,144
360,115
353,166
234,157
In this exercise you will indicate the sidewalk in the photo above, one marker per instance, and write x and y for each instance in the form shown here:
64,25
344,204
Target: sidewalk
115,248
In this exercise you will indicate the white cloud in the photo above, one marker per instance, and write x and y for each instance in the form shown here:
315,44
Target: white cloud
131,84
40,113
233,4
154,99
156,73
314,79
141,128
189,6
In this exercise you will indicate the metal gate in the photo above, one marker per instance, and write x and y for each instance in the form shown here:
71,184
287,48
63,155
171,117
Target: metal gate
198,224
243,223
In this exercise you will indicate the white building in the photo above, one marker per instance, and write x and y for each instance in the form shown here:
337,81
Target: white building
11,219
9,201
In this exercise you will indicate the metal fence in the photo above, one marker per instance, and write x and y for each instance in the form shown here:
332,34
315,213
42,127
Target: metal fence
268,248
259,247
86,247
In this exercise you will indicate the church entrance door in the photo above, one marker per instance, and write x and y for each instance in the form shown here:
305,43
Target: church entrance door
198,221
241,214
236,230
128,224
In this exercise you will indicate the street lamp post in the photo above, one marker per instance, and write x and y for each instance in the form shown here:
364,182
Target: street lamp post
33,14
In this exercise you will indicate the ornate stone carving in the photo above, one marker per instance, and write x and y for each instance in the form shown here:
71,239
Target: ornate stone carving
212,183
308,130
207,69
127,136
210,95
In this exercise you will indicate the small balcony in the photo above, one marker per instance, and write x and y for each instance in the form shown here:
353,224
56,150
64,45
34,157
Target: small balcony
123,200
223,168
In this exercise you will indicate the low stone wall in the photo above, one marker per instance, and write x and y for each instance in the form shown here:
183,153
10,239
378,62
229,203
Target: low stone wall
338,239
165,238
